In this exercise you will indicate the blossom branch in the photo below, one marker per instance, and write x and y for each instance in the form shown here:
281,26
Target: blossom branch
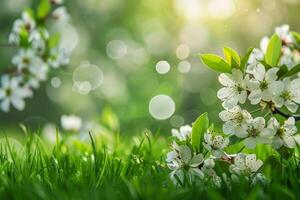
279,112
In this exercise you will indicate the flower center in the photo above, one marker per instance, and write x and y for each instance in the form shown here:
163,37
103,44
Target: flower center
239,88
280,132
8,92
26,60
253,132
263,85
286,95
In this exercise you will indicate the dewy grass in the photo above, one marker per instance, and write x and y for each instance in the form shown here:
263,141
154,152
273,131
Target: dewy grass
129,169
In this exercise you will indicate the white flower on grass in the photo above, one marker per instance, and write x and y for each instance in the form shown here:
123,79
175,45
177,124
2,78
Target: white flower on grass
236,120
264,85
235,89
12,93
24,58
246,165
256,133
185,165
183,133
283,134
71,122
215,144
290,96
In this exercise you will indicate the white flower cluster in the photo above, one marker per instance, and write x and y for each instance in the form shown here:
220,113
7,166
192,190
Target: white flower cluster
38,51
270,88
290,51
187,165
263,87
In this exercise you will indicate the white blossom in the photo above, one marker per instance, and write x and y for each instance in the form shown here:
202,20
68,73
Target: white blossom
71,122
256,132
236,120
11,93
215,144
24,58
60,14
290,96
58,57
264,85
183,133
246,165
184,164
283,134
283,32
26,23
37,42
235,89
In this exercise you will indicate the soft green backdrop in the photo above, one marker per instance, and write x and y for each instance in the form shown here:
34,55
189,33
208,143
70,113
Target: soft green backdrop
125,39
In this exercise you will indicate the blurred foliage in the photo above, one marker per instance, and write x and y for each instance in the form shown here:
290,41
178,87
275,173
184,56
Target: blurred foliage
125,40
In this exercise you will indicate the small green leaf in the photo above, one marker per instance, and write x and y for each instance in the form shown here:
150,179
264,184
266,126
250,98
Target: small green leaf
215,62
294,70
30,12
200,126
43,9
267,66
282,71
273,51
245,59
53,40
232,57
296,37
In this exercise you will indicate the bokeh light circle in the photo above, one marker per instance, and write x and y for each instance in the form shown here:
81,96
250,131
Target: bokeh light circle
161,107
116,49
87,77
184,66
55,82
162,67
182,51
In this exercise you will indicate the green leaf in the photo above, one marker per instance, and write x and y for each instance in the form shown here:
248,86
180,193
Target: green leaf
43,9
232,57
294,70
282,71
266,65
215,62
53,40
30,12
245,59
273,51
200,126
296,37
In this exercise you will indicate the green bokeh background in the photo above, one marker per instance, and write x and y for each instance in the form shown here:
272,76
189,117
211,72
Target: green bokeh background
156,28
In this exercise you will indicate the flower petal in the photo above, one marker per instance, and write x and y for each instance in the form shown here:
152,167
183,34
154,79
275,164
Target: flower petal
255,96
271,74
225,80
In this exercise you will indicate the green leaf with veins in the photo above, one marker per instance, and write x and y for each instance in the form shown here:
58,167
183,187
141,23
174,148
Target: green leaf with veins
232,57
245,59
200,126
215,62
273,51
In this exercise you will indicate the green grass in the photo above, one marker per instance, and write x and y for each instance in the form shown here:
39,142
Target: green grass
114,168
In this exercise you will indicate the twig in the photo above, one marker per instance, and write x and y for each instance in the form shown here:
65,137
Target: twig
279,112
8,71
